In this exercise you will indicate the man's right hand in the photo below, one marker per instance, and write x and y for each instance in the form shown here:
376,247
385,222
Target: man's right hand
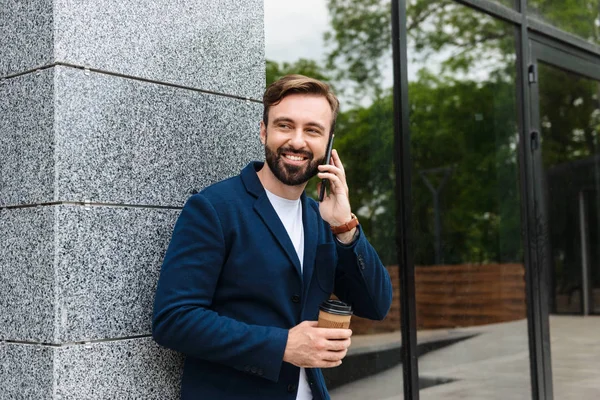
312,347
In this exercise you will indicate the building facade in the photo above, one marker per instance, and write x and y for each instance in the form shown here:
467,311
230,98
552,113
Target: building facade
469,131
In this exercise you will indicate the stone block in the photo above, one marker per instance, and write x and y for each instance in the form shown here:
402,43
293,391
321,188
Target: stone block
108,263
71,273
123,369
68,136
27,137
130,142
206,44
27,282
27,35
26,371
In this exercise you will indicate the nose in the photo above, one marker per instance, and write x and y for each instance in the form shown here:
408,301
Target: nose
297,140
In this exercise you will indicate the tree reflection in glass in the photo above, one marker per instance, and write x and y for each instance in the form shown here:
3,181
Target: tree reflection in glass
466,206
581,18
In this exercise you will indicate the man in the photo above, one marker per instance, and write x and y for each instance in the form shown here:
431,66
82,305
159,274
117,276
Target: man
252,258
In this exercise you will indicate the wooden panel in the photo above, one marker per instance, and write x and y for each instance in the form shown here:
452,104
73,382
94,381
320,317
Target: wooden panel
451,296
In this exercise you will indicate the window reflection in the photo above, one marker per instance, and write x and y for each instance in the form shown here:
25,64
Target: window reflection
570,125
470,286
348,44
581,18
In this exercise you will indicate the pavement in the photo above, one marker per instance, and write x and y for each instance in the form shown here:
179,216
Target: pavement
494,364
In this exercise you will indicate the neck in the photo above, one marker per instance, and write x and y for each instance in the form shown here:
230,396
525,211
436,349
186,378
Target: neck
278,188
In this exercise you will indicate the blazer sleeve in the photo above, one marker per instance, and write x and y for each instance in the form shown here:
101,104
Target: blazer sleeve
361,279
183,320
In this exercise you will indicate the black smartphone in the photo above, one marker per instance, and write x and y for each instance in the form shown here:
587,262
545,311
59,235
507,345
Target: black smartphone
327,161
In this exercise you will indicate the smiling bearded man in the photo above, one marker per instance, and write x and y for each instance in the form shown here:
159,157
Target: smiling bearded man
252,258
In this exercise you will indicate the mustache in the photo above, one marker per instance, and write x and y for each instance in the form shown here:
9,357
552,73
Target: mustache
289,150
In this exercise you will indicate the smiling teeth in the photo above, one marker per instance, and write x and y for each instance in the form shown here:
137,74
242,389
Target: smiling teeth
294,158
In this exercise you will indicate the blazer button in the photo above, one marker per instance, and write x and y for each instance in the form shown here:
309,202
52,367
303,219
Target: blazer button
291,388
296,298
247,368
253,369
260,372
361,262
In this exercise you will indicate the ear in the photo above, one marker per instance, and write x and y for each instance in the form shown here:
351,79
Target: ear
263,133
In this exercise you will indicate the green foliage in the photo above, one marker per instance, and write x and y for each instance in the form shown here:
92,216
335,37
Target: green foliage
580,17
302,67
365,142
570,113
470,127
360,38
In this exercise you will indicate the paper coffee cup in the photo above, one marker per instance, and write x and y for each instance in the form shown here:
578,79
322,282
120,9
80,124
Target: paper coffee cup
334,314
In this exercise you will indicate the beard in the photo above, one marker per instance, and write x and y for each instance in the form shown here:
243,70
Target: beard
292,175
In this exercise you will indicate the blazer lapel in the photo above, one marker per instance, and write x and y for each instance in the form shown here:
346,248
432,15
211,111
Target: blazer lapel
267,213
309,219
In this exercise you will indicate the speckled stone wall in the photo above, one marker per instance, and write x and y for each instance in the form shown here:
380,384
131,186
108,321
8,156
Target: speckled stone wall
112,114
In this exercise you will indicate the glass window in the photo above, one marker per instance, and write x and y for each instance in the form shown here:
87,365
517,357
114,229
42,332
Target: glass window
348,44
470,275
580,17
570,127
508,3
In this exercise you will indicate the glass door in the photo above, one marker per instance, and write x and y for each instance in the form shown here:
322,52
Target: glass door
565,95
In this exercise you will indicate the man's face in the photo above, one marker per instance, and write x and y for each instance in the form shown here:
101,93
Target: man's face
296,137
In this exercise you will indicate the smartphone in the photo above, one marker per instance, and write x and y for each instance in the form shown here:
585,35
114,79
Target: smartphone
327,161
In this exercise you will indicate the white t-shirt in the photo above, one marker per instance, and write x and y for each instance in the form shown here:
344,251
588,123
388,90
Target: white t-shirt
290,214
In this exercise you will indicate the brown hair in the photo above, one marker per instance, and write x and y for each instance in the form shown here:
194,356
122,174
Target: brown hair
298,84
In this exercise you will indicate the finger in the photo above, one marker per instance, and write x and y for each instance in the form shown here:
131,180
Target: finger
338,345
339,172
331,160
336,185
337,161
344,187
331,169
310,323
334,166
329,364
339,355
335,355
334,181
335,333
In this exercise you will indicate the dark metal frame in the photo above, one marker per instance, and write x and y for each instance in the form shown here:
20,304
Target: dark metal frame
529,33
408,308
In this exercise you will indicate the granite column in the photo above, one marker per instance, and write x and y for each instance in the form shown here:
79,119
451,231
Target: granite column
111,114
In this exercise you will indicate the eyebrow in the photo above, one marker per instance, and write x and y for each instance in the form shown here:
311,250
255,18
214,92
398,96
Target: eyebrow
285,119
317,125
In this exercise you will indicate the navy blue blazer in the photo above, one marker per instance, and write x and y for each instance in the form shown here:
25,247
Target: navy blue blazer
230,288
